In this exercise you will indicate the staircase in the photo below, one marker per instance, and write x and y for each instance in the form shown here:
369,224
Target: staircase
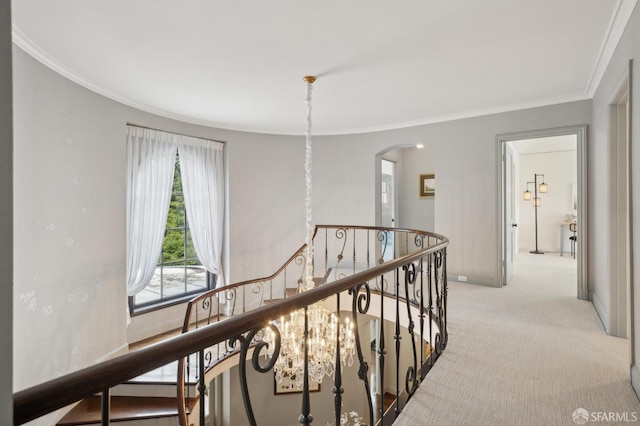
146,400
150,399
415,282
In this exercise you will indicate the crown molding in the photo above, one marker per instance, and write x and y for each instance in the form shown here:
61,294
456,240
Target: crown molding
463,115
622,13
32,49
619,19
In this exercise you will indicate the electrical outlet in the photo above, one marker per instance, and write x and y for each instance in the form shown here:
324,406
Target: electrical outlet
462,278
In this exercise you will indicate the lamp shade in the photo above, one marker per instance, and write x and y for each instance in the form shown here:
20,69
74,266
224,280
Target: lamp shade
527,195
536,202
542,188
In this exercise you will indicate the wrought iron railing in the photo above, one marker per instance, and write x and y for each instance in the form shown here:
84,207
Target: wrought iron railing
398,276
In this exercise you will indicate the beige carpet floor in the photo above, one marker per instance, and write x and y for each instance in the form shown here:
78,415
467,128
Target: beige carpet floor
530,353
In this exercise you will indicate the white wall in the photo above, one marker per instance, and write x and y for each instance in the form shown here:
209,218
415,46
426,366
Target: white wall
560,173
6,216
599,179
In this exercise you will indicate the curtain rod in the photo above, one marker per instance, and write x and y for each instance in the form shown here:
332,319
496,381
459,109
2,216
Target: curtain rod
175,133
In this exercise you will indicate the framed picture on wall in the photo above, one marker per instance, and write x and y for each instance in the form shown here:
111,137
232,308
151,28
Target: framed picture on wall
427,185
288,385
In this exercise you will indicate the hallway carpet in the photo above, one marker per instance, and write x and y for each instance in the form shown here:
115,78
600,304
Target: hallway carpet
530,353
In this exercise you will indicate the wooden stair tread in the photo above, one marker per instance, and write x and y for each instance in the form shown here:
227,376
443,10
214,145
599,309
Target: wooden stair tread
291,291
123,408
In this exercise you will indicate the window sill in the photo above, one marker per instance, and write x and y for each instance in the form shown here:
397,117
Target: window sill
160,305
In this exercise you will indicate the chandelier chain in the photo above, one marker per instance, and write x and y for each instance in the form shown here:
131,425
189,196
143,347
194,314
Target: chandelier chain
308,194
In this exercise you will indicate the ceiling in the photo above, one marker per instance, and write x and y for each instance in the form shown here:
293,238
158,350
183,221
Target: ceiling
380,64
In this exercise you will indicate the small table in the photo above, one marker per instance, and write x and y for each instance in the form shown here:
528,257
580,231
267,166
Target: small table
563,226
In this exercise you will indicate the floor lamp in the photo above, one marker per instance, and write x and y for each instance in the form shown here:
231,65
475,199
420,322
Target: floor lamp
542,188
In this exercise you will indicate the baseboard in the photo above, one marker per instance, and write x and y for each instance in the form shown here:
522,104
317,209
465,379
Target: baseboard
603,313
635,380
470,279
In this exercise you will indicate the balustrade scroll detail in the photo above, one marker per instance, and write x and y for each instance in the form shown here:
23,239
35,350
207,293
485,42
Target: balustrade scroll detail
360,303
381,352
410,278
245,342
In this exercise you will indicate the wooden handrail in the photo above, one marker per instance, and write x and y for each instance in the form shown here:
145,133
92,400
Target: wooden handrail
44,398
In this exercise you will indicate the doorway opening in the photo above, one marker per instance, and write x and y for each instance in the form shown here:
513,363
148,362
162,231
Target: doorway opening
388,204
542,199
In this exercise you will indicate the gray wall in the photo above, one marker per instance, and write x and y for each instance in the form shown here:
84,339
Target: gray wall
69,172
466,169
69,291
599,180
68,227
6,215
412,211
416,212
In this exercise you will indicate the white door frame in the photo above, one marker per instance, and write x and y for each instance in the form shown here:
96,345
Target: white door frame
582,243
510,215
394,193
620,219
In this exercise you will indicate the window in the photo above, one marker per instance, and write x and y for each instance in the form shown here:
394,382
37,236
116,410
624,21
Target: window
175,217
179,274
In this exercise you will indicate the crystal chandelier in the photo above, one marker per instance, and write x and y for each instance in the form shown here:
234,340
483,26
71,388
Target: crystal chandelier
322,345
323,327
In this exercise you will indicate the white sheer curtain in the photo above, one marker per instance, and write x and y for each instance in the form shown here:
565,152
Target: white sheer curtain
151,158
202,168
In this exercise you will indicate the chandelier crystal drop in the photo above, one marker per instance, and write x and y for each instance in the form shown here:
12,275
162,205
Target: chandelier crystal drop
327,333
